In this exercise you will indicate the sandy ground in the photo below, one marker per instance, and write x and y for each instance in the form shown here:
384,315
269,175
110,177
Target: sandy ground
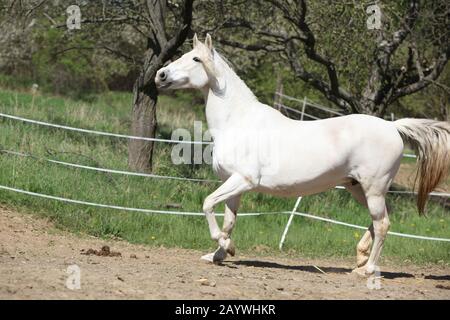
34,257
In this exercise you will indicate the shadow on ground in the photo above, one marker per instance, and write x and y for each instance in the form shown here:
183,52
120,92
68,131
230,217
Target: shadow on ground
315,269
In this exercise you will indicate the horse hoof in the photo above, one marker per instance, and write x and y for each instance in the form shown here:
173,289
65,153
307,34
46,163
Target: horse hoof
228,245
231,248
361,260
215,257
208,257
362,272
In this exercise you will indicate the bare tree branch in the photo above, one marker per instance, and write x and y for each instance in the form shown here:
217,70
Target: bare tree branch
296,15
117,53
426,80
343,99
249,47
380,84
106,20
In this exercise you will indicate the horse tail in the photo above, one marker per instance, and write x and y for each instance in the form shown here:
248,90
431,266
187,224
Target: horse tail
430,140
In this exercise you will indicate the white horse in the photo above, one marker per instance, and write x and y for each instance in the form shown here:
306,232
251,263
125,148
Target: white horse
361,152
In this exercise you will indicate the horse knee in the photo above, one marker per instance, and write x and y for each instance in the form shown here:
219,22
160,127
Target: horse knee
377,207
216,236
208,206
219,236
382,227
228,227
386,224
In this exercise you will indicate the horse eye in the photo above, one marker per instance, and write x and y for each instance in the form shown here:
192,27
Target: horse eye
196,59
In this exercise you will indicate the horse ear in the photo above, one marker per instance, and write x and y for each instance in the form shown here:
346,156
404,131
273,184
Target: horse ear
195,41
208,42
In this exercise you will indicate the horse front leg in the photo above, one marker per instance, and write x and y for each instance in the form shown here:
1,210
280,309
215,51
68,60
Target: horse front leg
233,187
363,247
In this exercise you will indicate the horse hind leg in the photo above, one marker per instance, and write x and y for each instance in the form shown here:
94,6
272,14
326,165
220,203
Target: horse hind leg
229,221
363,247
374,196
380,220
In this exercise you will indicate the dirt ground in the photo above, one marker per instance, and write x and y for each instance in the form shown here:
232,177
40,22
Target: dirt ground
34,257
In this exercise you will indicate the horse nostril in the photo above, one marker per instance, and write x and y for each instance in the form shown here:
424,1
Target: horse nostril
163,76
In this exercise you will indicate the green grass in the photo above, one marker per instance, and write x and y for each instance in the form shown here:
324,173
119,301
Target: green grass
111,112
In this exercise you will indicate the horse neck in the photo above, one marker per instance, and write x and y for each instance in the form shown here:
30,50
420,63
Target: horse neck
222,108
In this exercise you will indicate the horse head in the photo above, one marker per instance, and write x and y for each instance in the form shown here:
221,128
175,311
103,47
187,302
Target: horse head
195,69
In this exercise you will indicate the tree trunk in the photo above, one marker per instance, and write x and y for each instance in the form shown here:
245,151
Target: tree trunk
368,106
444,114
143,124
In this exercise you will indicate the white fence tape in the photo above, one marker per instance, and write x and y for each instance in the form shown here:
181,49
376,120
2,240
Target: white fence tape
99,132
146,211
306,101
307,215
405,235
297,111
310,104
151,211
129,173
8,116
437,194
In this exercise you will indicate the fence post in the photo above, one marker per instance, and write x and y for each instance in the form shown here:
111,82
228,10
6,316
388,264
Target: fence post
303,108
283,237
277,100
